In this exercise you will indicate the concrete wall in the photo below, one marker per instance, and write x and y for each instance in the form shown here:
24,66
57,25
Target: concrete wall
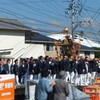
51,53
15,40
82,53
9,39
92,54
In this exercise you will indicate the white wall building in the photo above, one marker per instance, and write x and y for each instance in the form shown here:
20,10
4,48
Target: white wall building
12,41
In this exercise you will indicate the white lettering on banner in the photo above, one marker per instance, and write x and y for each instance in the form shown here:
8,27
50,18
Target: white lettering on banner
1,86
8,85
7,93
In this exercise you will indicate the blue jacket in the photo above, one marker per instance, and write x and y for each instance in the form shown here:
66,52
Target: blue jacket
81,66
15,69
6,69
44,88
65,65
93,65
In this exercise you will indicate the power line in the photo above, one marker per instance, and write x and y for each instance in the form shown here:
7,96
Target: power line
39,7
92,17
60,5
55,7
17,14
29,19
83,27
88,41
40,30
50,10
39,21
54,25
88,13
84,3
41,1
39,10
91,26
32,19
91,10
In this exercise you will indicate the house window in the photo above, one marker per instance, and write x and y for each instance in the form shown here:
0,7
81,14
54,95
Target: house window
49,47
87,53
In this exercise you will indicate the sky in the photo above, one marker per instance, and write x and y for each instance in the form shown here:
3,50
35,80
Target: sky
52,16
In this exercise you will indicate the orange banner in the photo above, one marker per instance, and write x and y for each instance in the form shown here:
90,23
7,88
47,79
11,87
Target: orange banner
7,86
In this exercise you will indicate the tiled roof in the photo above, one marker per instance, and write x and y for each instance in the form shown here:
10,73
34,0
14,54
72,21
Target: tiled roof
85,48
12,24
38,38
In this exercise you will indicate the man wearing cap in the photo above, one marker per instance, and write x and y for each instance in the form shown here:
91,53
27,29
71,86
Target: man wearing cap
61,89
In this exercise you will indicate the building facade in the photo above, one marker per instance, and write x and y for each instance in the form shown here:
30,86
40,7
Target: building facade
49,47
18,41
12,41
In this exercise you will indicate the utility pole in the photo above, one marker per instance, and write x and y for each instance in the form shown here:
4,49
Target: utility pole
72,18
73,10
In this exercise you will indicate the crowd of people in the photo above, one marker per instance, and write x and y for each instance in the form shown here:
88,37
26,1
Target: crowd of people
79,70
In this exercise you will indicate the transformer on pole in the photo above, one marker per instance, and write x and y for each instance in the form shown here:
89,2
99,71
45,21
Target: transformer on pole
67,46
